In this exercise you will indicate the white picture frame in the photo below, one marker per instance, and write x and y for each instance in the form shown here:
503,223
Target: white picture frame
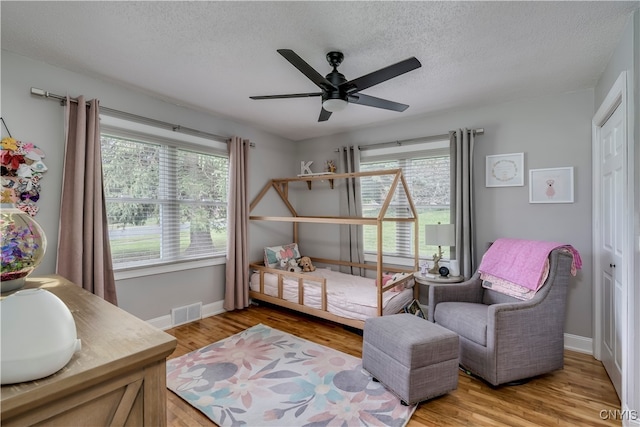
505,170
551,185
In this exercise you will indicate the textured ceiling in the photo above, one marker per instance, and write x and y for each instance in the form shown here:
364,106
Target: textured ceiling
212,56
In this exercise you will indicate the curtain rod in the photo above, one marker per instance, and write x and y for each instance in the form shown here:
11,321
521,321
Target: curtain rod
124,114
479,131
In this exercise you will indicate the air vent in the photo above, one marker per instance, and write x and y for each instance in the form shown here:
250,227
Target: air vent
186,314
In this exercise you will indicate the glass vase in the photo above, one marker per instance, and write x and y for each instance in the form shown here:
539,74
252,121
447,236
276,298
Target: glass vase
23,247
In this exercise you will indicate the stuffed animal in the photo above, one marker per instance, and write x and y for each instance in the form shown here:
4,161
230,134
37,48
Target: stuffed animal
292,266
305,263
282,264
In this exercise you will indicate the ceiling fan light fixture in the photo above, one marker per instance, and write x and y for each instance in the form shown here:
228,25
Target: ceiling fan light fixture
334,105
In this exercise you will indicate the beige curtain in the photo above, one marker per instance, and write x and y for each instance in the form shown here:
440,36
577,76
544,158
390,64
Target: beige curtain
236,294
351,235
462,211
84,255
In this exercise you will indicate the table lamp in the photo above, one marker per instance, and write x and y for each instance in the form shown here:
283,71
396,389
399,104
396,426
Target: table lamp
441,235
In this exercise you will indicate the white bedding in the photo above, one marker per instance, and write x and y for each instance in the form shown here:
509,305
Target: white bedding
349,296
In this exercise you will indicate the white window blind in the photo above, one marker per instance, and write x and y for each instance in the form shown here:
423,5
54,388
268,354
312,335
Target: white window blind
165,202
427,170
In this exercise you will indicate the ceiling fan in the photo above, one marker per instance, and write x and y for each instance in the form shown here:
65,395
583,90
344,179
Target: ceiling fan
337,91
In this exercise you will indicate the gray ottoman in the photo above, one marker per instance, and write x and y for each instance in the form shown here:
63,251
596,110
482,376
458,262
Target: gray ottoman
414,358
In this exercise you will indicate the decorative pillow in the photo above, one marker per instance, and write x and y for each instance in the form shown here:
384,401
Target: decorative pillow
273,254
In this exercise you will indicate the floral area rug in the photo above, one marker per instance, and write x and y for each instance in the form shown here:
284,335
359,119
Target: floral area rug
266,377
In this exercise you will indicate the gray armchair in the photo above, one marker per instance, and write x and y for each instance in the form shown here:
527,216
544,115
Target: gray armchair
503,339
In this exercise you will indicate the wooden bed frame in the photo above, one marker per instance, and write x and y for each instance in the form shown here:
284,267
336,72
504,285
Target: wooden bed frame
281,186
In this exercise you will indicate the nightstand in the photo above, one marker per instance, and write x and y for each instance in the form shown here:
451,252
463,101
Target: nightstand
430,279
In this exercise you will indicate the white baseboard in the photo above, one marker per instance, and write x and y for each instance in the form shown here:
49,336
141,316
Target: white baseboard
630,417
164,322
578,343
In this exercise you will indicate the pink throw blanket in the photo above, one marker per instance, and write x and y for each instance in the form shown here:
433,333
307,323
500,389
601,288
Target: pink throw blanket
523,261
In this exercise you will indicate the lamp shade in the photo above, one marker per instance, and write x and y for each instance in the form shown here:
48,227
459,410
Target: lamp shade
440,234
334,105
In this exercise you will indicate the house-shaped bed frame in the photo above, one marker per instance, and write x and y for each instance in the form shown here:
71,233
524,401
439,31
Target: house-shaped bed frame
281,187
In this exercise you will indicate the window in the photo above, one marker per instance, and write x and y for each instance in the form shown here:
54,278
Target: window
427,170
166,199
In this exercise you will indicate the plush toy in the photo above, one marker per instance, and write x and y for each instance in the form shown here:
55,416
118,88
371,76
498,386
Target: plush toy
282,264
293,267
305,263
288,265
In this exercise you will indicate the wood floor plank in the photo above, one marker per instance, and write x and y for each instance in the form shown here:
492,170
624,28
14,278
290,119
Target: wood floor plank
573,396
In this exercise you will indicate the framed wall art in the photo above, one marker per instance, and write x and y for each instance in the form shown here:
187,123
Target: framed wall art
505,170
553,185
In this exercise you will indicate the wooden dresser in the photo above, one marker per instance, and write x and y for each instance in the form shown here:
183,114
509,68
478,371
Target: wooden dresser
118,378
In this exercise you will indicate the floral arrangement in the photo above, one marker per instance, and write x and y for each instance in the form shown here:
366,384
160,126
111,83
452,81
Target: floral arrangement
23,245
21,167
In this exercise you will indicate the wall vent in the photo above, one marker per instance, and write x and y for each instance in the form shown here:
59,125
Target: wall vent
186,314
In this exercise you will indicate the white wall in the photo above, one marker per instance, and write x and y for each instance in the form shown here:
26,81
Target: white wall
552,132
40,121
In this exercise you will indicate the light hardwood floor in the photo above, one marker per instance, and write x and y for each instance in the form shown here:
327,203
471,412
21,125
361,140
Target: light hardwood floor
574,396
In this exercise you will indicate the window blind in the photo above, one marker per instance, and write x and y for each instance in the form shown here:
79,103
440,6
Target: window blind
428,175
165,203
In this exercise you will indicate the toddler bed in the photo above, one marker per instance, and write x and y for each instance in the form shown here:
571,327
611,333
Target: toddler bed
327,293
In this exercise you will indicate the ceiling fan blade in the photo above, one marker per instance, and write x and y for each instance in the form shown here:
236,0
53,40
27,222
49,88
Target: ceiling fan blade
380,75
292,95
306,69
324,115
372,101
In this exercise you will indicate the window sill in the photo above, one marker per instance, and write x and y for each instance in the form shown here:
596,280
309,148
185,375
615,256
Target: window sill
131,273
394,260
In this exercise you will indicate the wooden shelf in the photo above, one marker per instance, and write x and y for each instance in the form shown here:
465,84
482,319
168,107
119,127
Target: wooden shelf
318,219
323,175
